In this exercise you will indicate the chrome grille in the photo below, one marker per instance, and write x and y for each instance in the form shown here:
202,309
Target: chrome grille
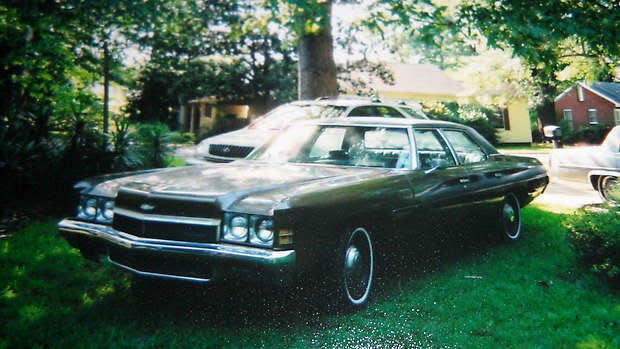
229,151
165,218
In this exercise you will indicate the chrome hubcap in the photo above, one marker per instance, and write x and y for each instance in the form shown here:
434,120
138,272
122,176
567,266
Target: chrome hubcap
358,267
611,189
352,259
511,220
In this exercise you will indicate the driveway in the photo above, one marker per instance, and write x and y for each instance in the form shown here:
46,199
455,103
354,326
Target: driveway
561,192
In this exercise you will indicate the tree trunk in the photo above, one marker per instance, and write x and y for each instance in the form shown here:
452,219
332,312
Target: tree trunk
106,87
317,68
546,110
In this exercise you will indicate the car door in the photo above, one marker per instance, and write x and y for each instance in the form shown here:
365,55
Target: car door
442,181
437,189
482,181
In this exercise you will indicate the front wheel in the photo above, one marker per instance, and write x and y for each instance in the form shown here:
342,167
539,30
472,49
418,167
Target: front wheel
609,189
511,218
356,268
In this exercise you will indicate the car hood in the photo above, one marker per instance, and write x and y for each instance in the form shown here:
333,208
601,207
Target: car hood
244,137
247,186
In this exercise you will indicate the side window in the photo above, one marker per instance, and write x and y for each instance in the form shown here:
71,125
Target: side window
467,151
389,112
363,111
379,110
329,140
432,150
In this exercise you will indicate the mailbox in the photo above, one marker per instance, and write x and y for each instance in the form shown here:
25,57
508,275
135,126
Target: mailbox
554,133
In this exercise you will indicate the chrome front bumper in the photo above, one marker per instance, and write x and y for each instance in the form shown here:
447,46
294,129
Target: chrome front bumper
223,258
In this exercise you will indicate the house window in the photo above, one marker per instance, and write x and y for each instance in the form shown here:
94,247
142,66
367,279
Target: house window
568,116
506,119
580,93
500,119
617,116
592,117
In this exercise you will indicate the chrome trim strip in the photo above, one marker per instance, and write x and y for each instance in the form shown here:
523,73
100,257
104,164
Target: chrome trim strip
168,219
244,254
157,275
586,167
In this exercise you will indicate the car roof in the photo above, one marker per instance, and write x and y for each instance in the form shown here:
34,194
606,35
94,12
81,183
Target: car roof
385,121
343,102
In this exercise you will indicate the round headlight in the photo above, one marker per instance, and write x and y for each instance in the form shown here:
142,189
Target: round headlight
264,231
90,208
238,229
108,210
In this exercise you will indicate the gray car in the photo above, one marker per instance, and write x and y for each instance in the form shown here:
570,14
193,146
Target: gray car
238,144
599,164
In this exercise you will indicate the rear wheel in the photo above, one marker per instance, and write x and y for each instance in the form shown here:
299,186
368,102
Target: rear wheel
355,269
609,189
511,218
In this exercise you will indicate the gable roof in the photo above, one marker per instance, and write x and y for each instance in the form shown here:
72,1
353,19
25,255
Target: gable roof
420,78
607,90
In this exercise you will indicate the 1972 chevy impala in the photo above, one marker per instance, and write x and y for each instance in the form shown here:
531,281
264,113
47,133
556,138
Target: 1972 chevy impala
320,202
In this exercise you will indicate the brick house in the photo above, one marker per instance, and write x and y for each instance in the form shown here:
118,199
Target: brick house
584,105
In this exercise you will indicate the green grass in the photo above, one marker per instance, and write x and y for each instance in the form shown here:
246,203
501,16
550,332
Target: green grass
535,148
525,295
173,161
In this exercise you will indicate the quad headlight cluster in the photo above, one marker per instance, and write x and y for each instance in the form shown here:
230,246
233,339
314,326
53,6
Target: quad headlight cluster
247,228
97,209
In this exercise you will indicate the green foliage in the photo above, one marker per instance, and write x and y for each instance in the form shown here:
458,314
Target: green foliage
550,36
154,143
593,134
475,116
247,63
594,233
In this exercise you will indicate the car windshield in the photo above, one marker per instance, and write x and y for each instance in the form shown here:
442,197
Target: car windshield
283,115
386,147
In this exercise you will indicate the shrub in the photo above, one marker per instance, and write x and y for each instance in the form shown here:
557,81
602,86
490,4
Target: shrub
595,236
593,134
474,116
155,143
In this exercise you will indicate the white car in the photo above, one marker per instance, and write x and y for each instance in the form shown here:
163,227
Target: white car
599,164
238,144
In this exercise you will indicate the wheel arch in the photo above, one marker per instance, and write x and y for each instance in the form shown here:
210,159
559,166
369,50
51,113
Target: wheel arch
596,175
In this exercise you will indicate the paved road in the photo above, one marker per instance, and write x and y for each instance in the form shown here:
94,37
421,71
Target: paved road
565,193
568,194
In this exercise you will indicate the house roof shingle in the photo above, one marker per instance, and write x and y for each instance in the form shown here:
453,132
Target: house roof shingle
610,90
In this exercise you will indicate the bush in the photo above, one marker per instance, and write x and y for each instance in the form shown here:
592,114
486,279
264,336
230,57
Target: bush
595,237
593,134
474,116
155,143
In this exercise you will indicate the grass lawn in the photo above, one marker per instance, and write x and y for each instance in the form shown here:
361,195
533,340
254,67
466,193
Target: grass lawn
524,295
534,148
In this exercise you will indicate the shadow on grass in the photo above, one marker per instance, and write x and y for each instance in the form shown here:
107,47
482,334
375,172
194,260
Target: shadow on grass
52,295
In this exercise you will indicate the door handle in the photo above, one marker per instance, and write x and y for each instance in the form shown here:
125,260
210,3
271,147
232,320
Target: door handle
464,180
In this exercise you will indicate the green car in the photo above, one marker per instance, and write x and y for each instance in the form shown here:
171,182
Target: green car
320,204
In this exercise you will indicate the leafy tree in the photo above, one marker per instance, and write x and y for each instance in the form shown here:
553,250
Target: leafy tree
228,50
545,33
